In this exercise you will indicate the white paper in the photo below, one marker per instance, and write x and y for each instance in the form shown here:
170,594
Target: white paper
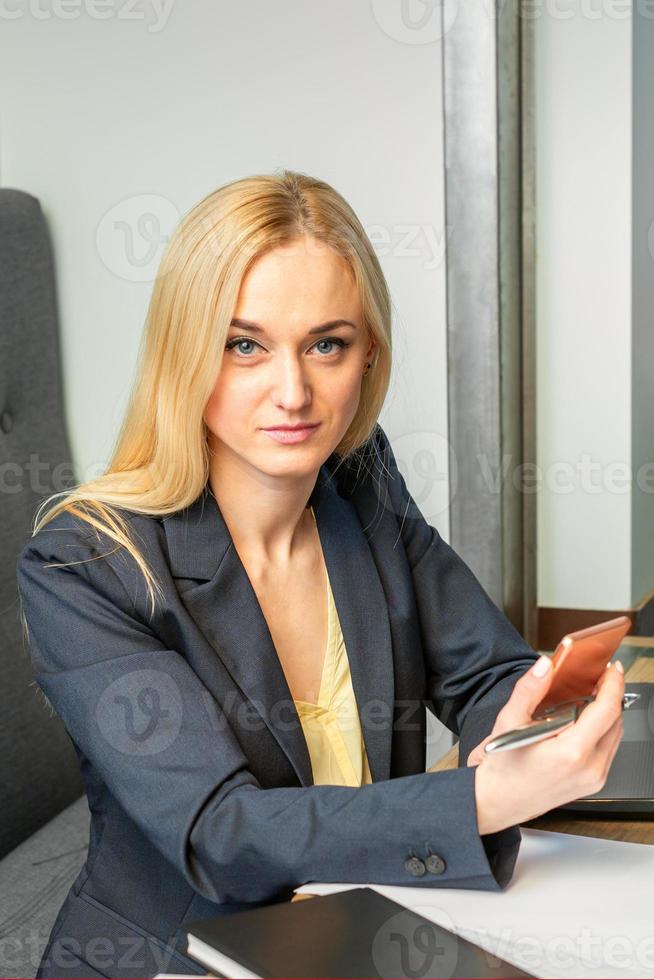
576,907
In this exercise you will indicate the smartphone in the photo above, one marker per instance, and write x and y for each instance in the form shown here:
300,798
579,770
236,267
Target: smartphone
580,659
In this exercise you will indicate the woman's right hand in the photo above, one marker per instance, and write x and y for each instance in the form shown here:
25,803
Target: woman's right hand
518,785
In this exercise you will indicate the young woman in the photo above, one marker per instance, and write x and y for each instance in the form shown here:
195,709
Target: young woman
240,623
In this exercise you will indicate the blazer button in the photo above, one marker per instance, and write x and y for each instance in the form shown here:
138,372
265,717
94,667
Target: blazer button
415,866
435,864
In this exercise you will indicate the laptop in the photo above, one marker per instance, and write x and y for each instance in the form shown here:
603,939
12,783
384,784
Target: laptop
629,788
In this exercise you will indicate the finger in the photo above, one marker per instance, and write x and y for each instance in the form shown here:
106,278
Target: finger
477,754
601,678
610,667
610,739
597,717
609,743
529,690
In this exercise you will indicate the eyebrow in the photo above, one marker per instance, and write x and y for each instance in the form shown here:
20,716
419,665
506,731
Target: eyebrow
322,328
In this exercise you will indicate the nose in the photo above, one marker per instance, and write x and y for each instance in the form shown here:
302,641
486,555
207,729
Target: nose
291,390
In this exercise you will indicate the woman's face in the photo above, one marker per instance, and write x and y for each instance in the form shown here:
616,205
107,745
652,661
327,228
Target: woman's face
282,373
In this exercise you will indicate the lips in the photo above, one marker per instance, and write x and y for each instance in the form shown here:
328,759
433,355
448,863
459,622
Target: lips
291,428
292,435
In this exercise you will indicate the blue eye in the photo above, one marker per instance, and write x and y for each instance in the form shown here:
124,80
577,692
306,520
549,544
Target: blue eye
333,340
240,340
237,341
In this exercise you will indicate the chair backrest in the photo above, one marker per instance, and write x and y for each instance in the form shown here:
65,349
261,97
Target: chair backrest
39,769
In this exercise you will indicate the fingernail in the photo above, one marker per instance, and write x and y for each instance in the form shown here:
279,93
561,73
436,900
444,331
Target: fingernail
618,666
541,666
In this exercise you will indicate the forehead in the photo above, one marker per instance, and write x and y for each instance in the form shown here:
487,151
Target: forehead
304,278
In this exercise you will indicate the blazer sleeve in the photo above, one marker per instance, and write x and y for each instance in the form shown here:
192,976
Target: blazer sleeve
189,789
473,653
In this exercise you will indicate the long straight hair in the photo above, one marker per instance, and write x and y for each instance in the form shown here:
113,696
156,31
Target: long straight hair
160,463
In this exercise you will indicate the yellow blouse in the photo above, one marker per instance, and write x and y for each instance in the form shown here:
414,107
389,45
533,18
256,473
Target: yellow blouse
331,727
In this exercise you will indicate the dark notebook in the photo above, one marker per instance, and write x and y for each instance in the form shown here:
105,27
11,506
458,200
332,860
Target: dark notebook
353,933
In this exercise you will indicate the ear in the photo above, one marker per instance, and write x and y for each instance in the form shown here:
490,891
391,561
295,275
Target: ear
372,347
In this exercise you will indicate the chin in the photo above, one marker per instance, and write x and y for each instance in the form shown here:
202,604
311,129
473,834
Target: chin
290,460
295,460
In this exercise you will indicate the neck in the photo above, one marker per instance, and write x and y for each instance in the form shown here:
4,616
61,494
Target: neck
268,518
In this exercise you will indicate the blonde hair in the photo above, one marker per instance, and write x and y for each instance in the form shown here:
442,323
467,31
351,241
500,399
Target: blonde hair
160,463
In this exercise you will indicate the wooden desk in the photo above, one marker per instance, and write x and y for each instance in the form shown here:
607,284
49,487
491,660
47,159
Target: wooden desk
637,656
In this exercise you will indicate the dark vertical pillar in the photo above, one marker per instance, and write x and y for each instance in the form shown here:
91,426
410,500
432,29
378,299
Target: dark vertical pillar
489,216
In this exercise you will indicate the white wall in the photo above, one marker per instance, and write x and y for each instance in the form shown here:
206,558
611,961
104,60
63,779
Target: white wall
120,125
583,218
108,121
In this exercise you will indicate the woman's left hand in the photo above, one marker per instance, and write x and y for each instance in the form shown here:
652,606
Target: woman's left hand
527,694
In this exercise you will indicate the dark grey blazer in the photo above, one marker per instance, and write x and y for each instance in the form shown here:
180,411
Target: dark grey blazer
198,777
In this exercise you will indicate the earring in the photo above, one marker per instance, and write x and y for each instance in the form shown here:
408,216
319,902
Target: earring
367,367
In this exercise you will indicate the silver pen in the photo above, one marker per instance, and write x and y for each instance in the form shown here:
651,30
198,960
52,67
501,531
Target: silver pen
551,721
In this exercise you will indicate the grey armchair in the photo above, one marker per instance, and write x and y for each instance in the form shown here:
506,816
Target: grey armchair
44,816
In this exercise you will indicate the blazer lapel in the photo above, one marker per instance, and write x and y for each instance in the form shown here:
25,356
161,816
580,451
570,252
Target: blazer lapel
224,606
